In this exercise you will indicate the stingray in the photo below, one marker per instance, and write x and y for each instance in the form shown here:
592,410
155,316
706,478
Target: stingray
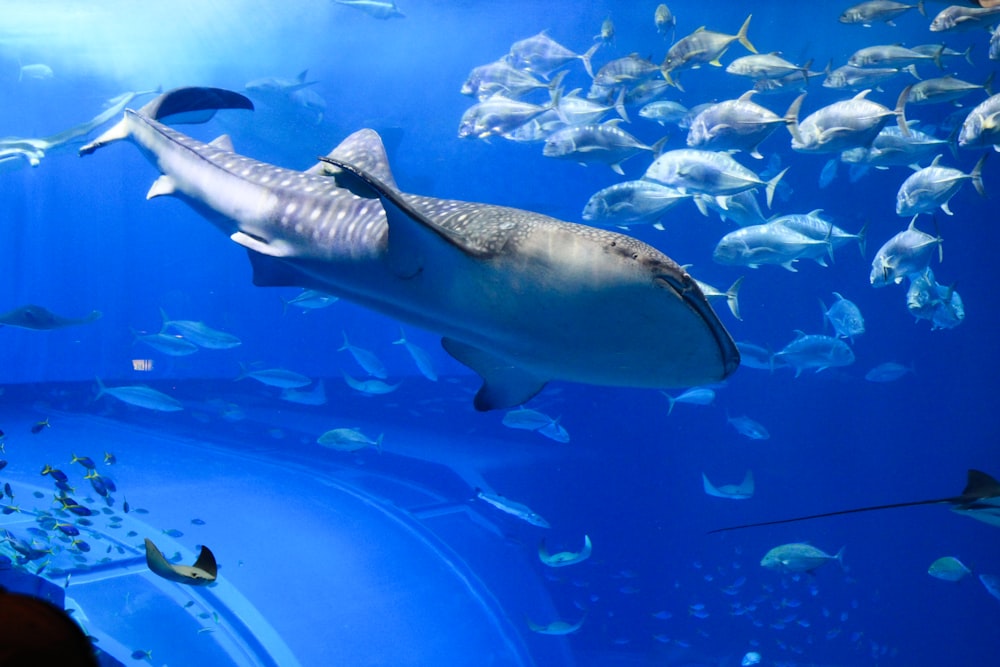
980,500
203,572
42,319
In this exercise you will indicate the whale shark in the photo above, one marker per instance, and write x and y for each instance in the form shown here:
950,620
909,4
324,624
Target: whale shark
39,318
979,500
519,297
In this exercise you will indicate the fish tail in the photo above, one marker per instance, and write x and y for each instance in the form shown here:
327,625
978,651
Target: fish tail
672,400
402,338
792,118
988,83
900,111
620,104
586,59
977,175
862,237
733,297
920,8
742,35
968,54
839,557
347,343
378,443
101,389
772,184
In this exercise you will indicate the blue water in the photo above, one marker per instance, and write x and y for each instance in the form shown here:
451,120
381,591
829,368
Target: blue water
79,235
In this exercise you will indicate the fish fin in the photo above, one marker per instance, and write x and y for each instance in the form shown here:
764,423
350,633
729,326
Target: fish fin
504,384
163,186
790,265
223,141
364,150
269,271
206,562
193,105
981,485
617,168
710,488
262,246
413,237
741,36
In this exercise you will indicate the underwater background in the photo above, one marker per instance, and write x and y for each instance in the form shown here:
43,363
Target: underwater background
385,556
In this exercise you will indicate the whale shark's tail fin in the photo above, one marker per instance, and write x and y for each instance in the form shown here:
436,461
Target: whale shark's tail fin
193,105
181,105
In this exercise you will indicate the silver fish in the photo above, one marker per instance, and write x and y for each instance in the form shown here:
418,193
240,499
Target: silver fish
370,387
631,202
765,66
872,11
419,356
931,187
519,510
769,243
842,125
199,333
174,345
891,55
733,125
749,428
957,17
605,143
365,358
693,396
140,396
906,253
349,440
380,9
816,352
707,172
543,55
275,377
664,20
845,318
798,557
889,371
982,125
701,47
945,89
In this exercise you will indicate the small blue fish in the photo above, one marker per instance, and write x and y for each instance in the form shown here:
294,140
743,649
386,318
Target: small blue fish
198,522
109,458
749,428
3,464
125,505
55,473
140,654
41,426
8,491
81,545
68,529
173,532
99,486
10,509
85,461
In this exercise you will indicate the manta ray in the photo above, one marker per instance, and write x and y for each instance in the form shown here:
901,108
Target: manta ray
203,572
39,318
980,500
519,297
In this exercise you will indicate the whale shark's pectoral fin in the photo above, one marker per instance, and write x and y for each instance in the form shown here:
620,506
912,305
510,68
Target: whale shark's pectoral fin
504,384
262,246
413,237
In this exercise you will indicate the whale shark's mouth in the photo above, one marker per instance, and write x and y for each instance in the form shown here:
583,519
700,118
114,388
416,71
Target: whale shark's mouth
689,292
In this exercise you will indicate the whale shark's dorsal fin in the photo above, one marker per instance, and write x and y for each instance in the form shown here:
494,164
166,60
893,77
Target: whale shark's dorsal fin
362,150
